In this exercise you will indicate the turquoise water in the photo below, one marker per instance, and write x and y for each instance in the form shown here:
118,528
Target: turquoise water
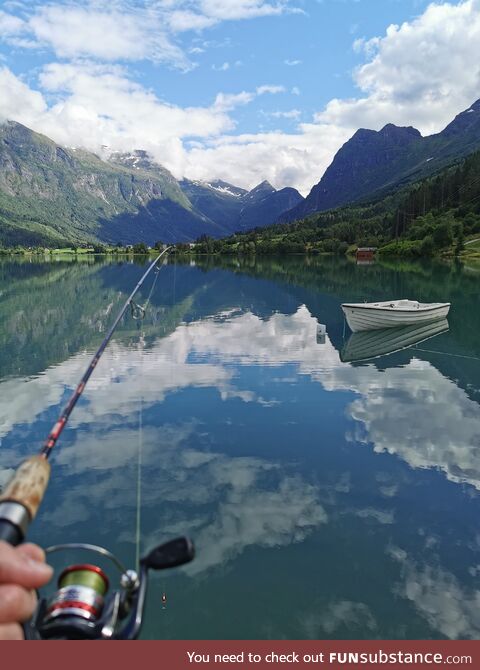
327,497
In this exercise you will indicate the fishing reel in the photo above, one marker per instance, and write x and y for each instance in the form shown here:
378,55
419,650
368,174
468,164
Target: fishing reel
82,608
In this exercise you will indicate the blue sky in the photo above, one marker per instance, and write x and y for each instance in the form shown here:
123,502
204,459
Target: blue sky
235,89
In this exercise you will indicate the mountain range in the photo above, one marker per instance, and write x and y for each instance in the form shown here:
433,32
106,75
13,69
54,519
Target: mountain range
51,194
238,209
373,163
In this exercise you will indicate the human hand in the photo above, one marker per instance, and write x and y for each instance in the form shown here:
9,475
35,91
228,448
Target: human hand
22,570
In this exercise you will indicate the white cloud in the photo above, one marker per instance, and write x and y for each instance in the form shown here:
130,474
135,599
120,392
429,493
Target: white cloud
239,501
421,73
120,30
221,68
223,10
270,88
226,66
75,32
184,20
250,515
284,159
10,25
15,96
291,114
97,105
292,62
394,407
378,515
228,101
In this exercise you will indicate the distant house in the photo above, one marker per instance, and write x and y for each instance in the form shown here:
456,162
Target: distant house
365,253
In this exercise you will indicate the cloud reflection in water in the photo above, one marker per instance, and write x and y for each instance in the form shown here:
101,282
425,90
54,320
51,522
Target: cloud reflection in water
413,412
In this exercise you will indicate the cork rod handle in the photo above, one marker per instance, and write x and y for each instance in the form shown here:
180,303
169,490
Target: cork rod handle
21,498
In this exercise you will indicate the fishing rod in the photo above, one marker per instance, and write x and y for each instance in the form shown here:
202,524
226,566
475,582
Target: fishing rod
81,608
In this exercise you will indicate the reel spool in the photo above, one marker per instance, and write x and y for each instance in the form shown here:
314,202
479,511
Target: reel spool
81,592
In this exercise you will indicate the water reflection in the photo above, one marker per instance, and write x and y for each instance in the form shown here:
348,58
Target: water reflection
238,501
266,446
392,408
439,597
339,615
369,344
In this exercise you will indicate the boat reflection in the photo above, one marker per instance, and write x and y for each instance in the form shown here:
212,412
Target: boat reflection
369,344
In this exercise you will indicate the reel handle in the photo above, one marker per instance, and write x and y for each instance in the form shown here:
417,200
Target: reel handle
21,498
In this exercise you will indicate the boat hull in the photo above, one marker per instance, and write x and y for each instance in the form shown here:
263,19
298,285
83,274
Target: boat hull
366,317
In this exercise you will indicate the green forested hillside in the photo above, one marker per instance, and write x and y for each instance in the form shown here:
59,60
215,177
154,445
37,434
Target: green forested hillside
419,220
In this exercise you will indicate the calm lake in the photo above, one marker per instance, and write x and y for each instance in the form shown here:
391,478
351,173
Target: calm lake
328,496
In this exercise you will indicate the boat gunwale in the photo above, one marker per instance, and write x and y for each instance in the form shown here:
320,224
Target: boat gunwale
394,310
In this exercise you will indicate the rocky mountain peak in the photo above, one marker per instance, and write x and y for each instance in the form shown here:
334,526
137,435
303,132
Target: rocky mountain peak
226,188
401,132
138,158
260,191
361,134
389,134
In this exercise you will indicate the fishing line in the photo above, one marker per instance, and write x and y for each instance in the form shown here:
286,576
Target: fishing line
141,318
62,421
139,465
446,353
174,282
138,523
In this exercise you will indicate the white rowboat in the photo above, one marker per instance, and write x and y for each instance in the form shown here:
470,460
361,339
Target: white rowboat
375,315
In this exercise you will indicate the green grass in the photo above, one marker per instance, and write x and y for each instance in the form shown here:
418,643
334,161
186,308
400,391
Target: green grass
67,250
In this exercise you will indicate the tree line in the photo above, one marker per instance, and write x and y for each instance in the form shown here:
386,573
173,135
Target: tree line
429,216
